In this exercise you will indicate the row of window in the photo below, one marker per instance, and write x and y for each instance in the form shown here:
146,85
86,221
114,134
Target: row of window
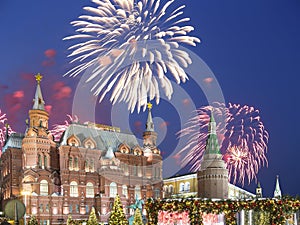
42,160
73,189
113,190
72,208
137,170
183,187
74,165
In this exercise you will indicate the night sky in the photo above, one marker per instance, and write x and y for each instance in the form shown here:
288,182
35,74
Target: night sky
252,48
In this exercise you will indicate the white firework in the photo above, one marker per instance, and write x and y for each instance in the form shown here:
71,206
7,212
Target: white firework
5,129
129,47
59,129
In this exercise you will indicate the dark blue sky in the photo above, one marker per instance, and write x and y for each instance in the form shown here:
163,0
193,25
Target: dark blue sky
252,48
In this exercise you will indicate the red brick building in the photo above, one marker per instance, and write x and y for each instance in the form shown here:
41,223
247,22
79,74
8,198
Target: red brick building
87,168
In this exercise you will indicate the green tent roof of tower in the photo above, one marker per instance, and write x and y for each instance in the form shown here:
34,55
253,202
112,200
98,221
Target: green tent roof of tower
212,143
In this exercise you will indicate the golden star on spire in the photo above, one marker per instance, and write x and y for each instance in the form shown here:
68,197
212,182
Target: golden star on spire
149,105
38,78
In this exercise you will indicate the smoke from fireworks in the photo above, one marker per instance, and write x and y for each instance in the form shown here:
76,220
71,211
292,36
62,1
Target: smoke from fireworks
59,129
129,46
242,137
4,129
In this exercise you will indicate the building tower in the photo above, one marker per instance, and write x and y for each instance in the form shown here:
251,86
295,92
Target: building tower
149,135
277,191
154,159
39,153
258,191
213,174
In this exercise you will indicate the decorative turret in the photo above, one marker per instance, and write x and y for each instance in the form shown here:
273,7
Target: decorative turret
39,149
258,191
38,116
149,123
213,174
149,134
277,191
38,101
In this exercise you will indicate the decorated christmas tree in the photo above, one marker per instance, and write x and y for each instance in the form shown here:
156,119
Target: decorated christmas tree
117,216
138,220
92,218
69,221
33,221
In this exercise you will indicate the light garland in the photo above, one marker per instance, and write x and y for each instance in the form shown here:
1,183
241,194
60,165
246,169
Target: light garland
279,209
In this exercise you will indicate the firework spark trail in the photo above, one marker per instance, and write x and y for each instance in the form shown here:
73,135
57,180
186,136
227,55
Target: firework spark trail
242,136
118,30
3,128
59,129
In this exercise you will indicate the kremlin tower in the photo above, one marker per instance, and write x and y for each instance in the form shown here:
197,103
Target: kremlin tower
213,174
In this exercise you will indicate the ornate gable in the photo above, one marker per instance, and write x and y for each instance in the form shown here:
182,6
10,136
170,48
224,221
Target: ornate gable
124,148
73,140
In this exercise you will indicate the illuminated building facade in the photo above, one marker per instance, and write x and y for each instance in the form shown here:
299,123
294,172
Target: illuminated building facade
186,185
86,168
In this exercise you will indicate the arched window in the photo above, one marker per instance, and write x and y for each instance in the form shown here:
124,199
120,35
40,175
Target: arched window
47,207
73,189
139,169
171,189
40,160
126,170
76,163
181,187
135,170
90,190
113,190
166,189
137,192
156,193
77,208
92,168
86,165
70,163
43,187
187,186
125,191
45,161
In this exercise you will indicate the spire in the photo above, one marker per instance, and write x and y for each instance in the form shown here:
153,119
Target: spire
258,185
258,191
38,101
149,124
277,191
212,143
212,124
109,153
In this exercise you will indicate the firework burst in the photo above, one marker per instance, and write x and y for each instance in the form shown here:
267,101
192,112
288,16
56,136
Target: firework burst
59,129
129,46
242,137
4,129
